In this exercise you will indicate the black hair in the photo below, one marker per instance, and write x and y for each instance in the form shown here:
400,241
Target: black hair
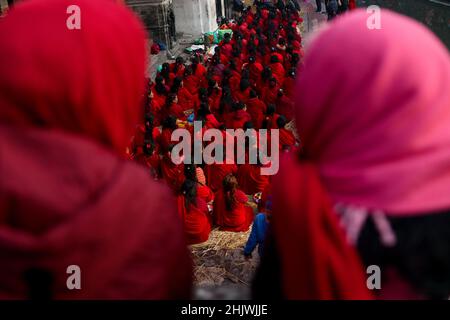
169,122
244,84
271,108
160,88
274,59
239,105
281,122
176,85
189,190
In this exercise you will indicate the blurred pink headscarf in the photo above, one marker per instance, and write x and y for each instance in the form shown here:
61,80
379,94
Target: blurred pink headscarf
373,110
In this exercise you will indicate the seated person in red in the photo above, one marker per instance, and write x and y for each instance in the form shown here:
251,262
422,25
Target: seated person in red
154,107
250,179
191,82
160,91
166,74
277,69
172,173
281,47
185,99
234,76
256,108
255,69
172,108
242,94
289,83
271,117
238,117
194,213
194,173
177,68
287,138
208,119
214,95
230,210
216,172
270,91
164,140
285,106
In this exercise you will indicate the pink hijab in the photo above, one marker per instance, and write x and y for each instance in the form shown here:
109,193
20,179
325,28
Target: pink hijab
373,111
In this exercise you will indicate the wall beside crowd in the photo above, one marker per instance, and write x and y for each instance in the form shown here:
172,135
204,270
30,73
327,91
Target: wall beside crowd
434,14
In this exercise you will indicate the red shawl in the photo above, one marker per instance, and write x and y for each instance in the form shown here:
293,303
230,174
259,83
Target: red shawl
238,219
316,260
216,172
68,103
196,220
250,179
256,108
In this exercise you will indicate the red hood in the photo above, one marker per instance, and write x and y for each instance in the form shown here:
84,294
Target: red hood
67,201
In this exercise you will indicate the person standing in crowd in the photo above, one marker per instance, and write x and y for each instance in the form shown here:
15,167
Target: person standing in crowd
68,195
372,187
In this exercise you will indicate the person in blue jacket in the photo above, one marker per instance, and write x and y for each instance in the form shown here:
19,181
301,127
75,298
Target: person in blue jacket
258,234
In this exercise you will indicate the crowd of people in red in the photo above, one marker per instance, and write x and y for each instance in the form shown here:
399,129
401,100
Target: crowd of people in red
368,188
247,83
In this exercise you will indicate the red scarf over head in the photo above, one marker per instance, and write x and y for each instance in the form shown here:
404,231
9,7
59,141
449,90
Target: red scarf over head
69,100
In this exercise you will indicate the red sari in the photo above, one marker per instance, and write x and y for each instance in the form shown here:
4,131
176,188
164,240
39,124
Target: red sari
237,119
256,108
185,99
215,173
238,219
205,193
196,220
278,71
250,179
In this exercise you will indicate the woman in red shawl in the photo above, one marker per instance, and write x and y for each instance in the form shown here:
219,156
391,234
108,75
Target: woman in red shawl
289,83
172,108
178,67
284,106
277,68
198,70
239,116
242,94
270,92
230,210
373,186
67,196
255,69
193,211
172,173
256,108
186,100
216,172
250,179
287,138
193,173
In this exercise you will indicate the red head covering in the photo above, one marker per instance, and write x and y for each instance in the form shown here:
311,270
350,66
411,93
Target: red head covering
68,98
88,81
381,113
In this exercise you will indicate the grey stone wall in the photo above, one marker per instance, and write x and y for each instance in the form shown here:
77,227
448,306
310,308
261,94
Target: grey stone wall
156,16
434,14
